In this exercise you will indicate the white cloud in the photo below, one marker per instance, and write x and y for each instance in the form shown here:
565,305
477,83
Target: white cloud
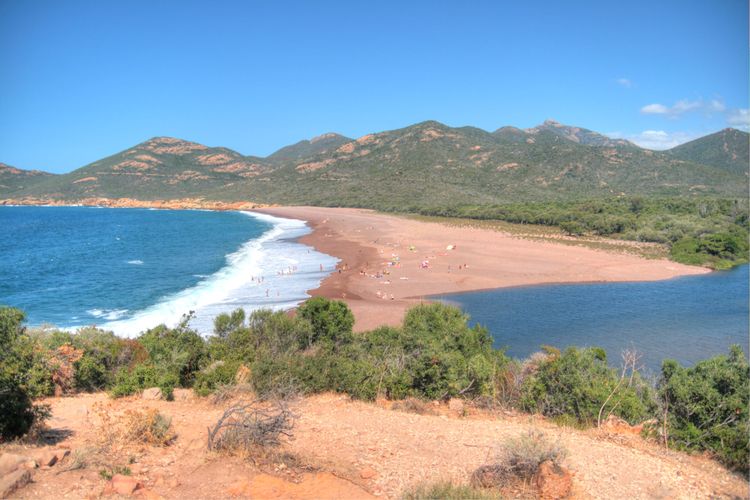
685,106
739,118
657,139
625,82
654,109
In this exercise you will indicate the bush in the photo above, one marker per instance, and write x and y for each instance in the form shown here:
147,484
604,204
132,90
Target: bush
149,427
413,405
707,406
579,383
446,357
519,458
445,490
16,409
435,355
177,351
17,368
145,376
218,374
248,426
332,320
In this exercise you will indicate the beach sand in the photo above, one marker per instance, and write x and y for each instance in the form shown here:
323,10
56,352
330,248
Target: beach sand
389,263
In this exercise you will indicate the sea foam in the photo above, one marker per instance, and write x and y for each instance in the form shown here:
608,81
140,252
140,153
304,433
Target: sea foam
272,271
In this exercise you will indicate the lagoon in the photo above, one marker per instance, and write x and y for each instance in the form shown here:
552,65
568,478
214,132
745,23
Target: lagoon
688,318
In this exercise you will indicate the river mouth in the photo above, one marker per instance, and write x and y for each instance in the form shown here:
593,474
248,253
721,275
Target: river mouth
689,318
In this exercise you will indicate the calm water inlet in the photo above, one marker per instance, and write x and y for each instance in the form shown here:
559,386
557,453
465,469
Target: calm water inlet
687,319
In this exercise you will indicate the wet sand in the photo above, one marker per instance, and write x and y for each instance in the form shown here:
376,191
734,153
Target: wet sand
390,263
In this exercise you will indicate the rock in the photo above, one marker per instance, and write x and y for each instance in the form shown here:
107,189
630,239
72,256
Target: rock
183,394
51,457
148,494
10,462
122,485
553,481
368,473
456,404
152,393
488,476
243,375
14,481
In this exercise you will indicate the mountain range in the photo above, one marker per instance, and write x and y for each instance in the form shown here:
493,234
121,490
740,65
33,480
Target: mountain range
426,164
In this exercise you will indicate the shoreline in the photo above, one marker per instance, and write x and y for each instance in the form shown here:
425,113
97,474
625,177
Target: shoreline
264,256
171,204
372,246
381,257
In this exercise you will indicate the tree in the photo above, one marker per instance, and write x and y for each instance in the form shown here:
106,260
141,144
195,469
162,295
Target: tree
332,320
706,406
16,410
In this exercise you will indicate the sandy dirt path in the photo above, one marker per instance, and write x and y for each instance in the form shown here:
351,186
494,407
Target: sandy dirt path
366,449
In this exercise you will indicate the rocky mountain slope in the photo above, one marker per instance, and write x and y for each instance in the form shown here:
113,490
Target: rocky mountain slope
426,164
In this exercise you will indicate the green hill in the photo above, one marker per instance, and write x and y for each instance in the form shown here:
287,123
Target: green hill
14,180
728,149
160,168
423,165
304,149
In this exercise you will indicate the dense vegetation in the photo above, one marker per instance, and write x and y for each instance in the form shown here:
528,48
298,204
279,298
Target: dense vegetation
433,355
700,231
422,165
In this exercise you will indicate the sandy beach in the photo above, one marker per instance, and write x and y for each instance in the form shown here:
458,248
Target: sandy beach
390,263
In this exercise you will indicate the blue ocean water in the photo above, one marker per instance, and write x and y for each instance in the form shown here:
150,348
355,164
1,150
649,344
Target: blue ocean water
131,269
688,318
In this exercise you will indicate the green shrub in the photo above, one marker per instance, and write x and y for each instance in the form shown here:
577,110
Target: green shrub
145,376
578,383
224,323
435,355
179,351
331,320
19,370
16,409
707,406
217,374
444,356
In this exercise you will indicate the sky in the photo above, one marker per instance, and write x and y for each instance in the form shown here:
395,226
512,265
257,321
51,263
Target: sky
81,80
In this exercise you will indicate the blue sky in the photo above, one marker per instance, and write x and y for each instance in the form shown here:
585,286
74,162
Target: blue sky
83,80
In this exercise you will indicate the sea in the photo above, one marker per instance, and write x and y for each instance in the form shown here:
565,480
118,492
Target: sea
128,270
688,319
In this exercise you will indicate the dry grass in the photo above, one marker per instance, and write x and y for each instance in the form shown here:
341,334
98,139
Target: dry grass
518,460
226,393
445,490
413,405
251,426
148,427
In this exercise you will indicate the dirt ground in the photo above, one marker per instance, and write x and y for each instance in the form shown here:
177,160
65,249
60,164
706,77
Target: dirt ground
347,449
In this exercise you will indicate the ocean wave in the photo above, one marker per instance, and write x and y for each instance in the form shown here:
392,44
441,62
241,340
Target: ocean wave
136,262
271,271
110,315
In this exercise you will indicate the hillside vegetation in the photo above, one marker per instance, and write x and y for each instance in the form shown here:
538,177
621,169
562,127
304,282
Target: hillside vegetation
427,164
433,355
